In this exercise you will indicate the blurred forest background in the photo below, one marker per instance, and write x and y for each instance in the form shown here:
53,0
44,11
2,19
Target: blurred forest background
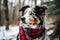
9,11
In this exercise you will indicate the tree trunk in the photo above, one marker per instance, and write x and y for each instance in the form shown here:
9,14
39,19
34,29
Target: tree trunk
35,2
0,12
6,13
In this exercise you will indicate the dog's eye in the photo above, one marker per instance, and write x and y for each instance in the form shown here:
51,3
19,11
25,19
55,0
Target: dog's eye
30,23
31,13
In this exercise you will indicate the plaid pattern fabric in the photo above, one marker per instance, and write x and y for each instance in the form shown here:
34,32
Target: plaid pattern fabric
23,36
29,33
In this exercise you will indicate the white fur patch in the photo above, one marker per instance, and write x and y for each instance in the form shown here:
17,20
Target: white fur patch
49,32
26,15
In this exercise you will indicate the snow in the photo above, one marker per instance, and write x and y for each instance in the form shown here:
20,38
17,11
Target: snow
10,34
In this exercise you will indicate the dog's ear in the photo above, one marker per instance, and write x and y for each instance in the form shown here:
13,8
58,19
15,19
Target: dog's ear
23,8
40,10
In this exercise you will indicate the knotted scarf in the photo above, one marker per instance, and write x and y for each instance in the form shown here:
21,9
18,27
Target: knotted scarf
29,33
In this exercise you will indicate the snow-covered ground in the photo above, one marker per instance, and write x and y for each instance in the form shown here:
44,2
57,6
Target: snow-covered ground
11,34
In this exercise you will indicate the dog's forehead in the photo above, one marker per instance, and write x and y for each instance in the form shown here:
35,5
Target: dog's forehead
28,10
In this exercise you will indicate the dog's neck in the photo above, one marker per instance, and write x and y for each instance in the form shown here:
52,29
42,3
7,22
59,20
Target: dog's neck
30,26
34,26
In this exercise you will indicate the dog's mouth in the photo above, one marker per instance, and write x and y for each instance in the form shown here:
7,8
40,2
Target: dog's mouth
32,21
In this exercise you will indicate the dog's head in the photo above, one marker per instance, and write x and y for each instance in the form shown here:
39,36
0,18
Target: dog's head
31,16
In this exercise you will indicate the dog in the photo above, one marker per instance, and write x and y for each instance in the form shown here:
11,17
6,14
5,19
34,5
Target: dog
31,23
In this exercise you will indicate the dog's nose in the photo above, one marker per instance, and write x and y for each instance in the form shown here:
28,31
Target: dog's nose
23,19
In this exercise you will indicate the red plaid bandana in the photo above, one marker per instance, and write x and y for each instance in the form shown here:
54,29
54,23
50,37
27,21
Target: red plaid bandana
30,34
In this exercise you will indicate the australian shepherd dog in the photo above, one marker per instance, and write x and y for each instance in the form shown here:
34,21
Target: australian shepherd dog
32,23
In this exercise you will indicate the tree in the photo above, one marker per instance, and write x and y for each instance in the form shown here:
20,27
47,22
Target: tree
57,4
54,11
5,4
0,12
